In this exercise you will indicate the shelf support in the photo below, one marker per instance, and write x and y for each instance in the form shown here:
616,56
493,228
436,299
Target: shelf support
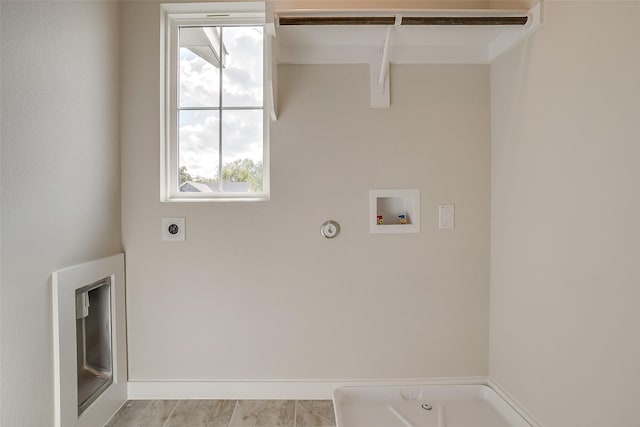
271,62
384,67
380,84
271,77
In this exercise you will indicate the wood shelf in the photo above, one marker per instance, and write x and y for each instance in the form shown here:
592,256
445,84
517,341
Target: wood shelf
380,38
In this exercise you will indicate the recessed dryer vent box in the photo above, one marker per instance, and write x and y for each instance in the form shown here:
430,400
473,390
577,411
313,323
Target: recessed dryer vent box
394,211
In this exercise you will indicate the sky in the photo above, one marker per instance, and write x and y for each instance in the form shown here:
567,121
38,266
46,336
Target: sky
242,83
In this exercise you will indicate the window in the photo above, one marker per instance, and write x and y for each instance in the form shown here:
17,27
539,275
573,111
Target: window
215,142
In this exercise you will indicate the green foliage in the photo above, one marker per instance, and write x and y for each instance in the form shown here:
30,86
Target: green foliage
244,170
184,175
241,170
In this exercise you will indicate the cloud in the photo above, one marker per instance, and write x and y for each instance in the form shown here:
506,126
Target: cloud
198,146
242,135
242,76
199,81
242,130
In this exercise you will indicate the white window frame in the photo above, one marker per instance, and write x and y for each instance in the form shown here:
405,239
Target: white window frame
202,14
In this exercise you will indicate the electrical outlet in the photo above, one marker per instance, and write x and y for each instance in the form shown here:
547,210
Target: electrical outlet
173,229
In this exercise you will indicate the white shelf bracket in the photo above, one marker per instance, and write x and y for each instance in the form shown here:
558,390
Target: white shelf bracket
384,68
271,62
271,77
380,83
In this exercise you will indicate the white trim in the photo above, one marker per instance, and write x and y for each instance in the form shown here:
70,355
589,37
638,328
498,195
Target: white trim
513,402
297,389
271,389
64,284
197,14
200,10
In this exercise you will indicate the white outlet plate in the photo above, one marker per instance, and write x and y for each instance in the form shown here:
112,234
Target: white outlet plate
446,217
173,229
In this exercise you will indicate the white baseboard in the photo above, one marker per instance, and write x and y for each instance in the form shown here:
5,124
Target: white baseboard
293,389
513,402
270,389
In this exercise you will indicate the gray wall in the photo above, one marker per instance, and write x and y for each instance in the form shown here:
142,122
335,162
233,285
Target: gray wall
60,178
255,292
565,275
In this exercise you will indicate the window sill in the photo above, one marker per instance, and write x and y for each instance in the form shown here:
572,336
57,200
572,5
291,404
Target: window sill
264,198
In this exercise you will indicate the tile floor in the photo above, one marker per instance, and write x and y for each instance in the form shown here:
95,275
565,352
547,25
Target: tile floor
225,413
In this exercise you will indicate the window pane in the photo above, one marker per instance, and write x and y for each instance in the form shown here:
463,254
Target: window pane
198,151
242,79
242,157
200,67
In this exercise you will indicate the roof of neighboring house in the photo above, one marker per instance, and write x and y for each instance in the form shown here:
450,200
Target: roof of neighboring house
195,187
227,186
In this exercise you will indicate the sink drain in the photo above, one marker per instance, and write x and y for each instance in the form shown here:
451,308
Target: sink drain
427,407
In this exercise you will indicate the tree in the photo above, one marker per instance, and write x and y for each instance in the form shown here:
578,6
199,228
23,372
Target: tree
244,170
184,175
241,170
